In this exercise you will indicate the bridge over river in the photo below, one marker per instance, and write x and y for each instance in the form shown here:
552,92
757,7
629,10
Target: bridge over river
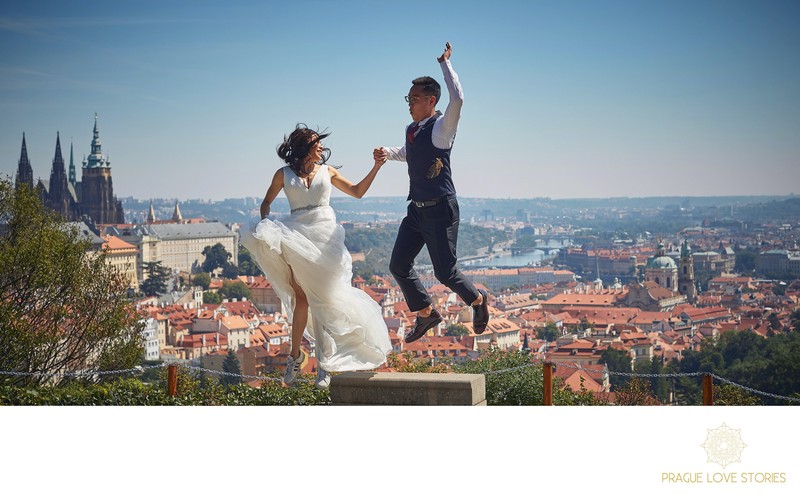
546,244
512,255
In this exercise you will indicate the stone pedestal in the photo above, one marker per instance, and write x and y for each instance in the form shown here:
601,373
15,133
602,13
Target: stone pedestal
422,389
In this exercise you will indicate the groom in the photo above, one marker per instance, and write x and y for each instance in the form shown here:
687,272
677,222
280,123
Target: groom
433,216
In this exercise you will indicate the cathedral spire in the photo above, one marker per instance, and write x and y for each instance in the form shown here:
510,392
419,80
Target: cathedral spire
58,159
58,194
96,158
151,216
176,214
72,178
23,156
24,169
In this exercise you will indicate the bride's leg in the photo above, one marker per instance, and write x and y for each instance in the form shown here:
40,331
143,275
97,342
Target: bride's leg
299,318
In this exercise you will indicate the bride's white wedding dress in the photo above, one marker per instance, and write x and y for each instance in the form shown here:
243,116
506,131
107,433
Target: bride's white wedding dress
346,324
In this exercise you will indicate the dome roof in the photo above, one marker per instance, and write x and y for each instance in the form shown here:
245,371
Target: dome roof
664,262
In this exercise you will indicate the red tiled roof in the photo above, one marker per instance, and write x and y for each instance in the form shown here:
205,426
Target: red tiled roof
116,245
581,299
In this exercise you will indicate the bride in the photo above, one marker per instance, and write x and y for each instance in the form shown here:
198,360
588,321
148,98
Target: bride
304,257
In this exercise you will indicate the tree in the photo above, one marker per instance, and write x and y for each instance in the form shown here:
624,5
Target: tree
231,290
745,260
456,330
63,306
215,257
375,280
523,386
202,280
230,271
635,393
247,266
743,357
157,278
774,322
658,384
550,332
369,267
728,395
618,361
231,365
795,320
211,298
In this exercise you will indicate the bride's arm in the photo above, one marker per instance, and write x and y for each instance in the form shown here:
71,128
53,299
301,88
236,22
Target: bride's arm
356,190
274,188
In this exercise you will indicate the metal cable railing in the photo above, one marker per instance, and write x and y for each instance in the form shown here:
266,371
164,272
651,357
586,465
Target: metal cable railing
654,375
139,369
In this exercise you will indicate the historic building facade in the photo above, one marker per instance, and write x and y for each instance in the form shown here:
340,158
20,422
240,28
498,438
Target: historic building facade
178,246
665,285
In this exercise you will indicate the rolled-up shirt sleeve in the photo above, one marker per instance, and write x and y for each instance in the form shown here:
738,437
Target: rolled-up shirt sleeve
444,131
396,153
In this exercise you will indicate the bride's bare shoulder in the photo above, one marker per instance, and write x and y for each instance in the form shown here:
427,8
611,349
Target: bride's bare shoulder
277,178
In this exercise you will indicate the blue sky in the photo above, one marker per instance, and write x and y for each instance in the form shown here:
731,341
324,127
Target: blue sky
563,99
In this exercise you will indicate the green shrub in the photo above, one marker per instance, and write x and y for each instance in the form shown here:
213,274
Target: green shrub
133,392
514,379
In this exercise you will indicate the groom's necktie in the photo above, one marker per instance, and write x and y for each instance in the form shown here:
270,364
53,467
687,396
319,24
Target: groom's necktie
411,131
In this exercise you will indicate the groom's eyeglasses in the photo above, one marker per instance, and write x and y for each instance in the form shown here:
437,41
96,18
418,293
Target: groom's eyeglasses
413,99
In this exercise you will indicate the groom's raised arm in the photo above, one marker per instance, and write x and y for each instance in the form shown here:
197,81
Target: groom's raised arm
444,131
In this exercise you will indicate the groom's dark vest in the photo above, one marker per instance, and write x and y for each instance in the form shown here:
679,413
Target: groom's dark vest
428,166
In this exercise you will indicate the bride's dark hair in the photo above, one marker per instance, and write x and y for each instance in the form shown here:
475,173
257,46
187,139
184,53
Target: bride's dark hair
298,144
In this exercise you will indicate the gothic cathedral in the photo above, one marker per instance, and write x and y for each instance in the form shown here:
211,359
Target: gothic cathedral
92,199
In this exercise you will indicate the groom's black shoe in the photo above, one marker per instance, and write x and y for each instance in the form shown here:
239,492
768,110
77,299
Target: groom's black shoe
423,325
480,314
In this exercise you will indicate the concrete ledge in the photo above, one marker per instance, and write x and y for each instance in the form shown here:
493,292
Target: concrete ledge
423,389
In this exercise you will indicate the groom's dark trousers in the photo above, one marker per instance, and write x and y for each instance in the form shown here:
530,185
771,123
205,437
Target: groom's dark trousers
434,225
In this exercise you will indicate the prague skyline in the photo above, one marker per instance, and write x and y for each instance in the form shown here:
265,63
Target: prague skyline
562,100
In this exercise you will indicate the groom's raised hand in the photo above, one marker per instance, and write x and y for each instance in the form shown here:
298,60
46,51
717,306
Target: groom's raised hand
448,49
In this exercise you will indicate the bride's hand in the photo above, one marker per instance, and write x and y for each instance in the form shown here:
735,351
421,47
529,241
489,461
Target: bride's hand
379,156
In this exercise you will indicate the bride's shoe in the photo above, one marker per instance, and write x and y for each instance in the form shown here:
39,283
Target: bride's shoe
293,368
323,379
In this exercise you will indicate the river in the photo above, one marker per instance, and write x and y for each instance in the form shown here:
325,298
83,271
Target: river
505,259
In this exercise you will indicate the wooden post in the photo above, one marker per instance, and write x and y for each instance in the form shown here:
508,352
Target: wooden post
547,396
708,390
172,380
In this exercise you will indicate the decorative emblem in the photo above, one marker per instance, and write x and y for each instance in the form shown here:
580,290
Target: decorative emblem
435,168
724,445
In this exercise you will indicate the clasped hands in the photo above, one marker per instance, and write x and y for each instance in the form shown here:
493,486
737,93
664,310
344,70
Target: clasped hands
380,156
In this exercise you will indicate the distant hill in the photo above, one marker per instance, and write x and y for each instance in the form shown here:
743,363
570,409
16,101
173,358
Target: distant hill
771,210
388,209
